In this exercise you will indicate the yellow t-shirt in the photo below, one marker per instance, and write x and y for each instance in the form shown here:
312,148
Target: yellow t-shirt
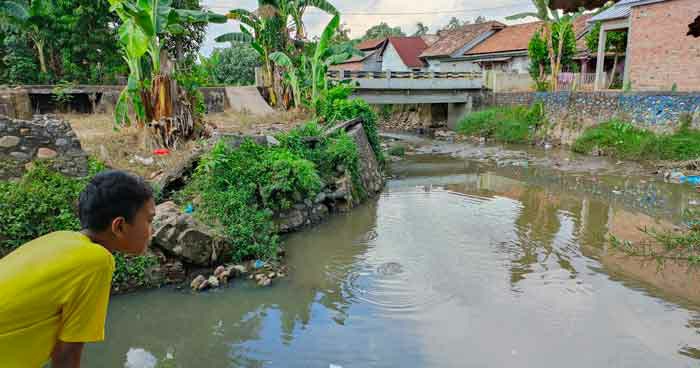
55,287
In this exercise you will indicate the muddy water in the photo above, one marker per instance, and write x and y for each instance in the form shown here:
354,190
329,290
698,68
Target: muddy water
458,264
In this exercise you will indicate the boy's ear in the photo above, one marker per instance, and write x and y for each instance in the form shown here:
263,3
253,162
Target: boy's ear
119,227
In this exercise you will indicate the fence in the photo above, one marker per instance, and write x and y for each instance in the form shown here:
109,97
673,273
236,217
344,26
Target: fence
347,74
584,82
498,81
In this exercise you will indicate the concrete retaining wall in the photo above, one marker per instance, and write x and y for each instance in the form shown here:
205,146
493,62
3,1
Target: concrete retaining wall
570,113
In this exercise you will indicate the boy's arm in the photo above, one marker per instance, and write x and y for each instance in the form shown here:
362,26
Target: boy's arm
66,355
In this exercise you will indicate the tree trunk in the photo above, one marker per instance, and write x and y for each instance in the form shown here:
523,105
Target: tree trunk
42,58
557,68
612,73
550,51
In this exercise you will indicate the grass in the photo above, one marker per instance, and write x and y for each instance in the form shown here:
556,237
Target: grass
622,140
397,151
504,124
668,245
117,148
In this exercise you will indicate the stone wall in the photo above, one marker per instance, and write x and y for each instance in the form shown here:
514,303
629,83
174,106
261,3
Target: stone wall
15,103
214,99
571,113
44,138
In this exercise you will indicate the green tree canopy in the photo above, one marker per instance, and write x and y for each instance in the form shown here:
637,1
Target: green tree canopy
421,29
615,41
235,65
382,30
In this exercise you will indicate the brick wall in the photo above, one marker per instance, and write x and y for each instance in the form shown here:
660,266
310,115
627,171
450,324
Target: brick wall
661,52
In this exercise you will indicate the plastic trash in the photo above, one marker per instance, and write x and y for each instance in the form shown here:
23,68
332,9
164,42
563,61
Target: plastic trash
695,180
258,264
161,151
189,209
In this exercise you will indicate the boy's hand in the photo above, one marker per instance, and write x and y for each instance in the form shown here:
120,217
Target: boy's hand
66,355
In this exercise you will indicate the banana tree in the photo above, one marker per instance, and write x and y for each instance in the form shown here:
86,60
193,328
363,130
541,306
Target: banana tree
292,75
293,13
268,29
315,66
150,90
259,30
29,17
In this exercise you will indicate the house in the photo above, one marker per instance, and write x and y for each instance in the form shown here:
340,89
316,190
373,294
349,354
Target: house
506,50
447,54
398,54
401,54
660,54
370,61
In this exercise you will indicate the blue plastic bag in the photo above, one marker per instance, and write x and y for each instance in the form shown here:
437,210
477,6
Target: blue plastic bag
695,180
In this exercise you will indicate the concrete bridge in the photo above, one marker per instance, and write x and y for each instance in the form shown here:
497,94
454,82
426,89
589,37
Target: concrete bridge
455,90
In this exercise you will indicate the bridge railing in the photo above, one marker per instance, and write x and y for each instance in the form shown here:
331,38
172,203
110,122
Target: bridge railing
354,74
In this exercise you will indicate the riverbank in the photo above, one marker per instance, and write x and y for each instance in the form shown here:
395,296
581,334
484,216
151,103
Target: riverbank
223,201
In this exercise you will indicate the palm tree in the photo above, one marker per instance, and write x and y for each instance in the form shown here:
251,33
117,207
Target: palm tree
29,17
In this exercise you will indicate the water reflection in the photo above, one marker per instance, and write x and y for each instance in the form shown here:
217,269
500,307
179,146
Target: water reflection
455,265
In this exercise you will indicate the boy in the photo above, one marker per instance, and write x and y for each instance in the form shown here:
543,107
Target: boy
54,290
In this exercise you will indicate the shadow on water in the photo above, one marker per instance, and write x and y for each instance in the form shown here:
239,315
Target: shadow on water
457,264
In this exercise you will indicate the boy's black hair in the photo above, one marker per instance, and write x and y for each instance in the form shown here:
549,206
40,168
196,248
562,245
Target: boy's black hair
109,195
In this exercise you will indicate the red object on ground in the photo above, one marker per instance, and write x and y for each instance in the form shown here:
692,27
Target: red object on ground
161,151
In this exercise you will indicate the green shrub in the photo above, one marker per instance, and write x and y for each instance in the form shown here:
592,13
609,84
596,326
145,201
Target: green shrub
44,201
337,109
623,140
505,124
240,188
397,151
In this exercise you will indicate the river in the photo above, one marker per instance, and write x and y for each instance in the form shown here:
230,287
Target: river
459,263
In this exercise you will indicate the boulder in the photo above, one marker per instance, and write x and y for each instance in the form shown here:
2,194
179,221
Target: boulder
181,235
290,220
197,282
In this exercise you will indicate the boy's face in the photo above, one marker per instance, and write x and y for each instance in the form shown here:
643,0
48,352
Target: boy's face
136,235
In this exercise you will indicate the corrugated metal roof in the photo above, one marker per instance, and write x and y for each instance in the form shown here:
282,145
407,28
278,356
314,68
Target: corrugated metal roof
620,10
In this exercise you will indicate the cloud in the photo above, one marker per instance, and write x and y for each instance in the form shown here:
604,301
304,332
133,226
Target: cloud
359,15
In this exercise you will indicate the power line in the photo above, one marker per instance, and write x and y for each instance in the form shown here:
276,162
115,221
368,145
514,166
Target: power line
435,12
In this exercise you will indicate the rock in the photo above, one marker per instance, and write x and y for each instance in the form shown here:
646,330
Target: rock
272,141
219,270
197,282
185,237
21,156
204,285
264,282
224,277
271,275
9,141
46,153
319,212
213,281
290,220
320,197
239,269
146,161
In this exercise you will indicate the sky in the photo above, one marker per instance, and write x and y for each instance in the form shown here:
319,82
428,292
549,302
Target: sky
359,15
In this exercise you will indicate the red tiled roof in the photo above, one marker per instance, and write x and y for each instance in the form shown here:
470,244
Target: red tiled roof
511,38
369,44
409,49
517,37
452,41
